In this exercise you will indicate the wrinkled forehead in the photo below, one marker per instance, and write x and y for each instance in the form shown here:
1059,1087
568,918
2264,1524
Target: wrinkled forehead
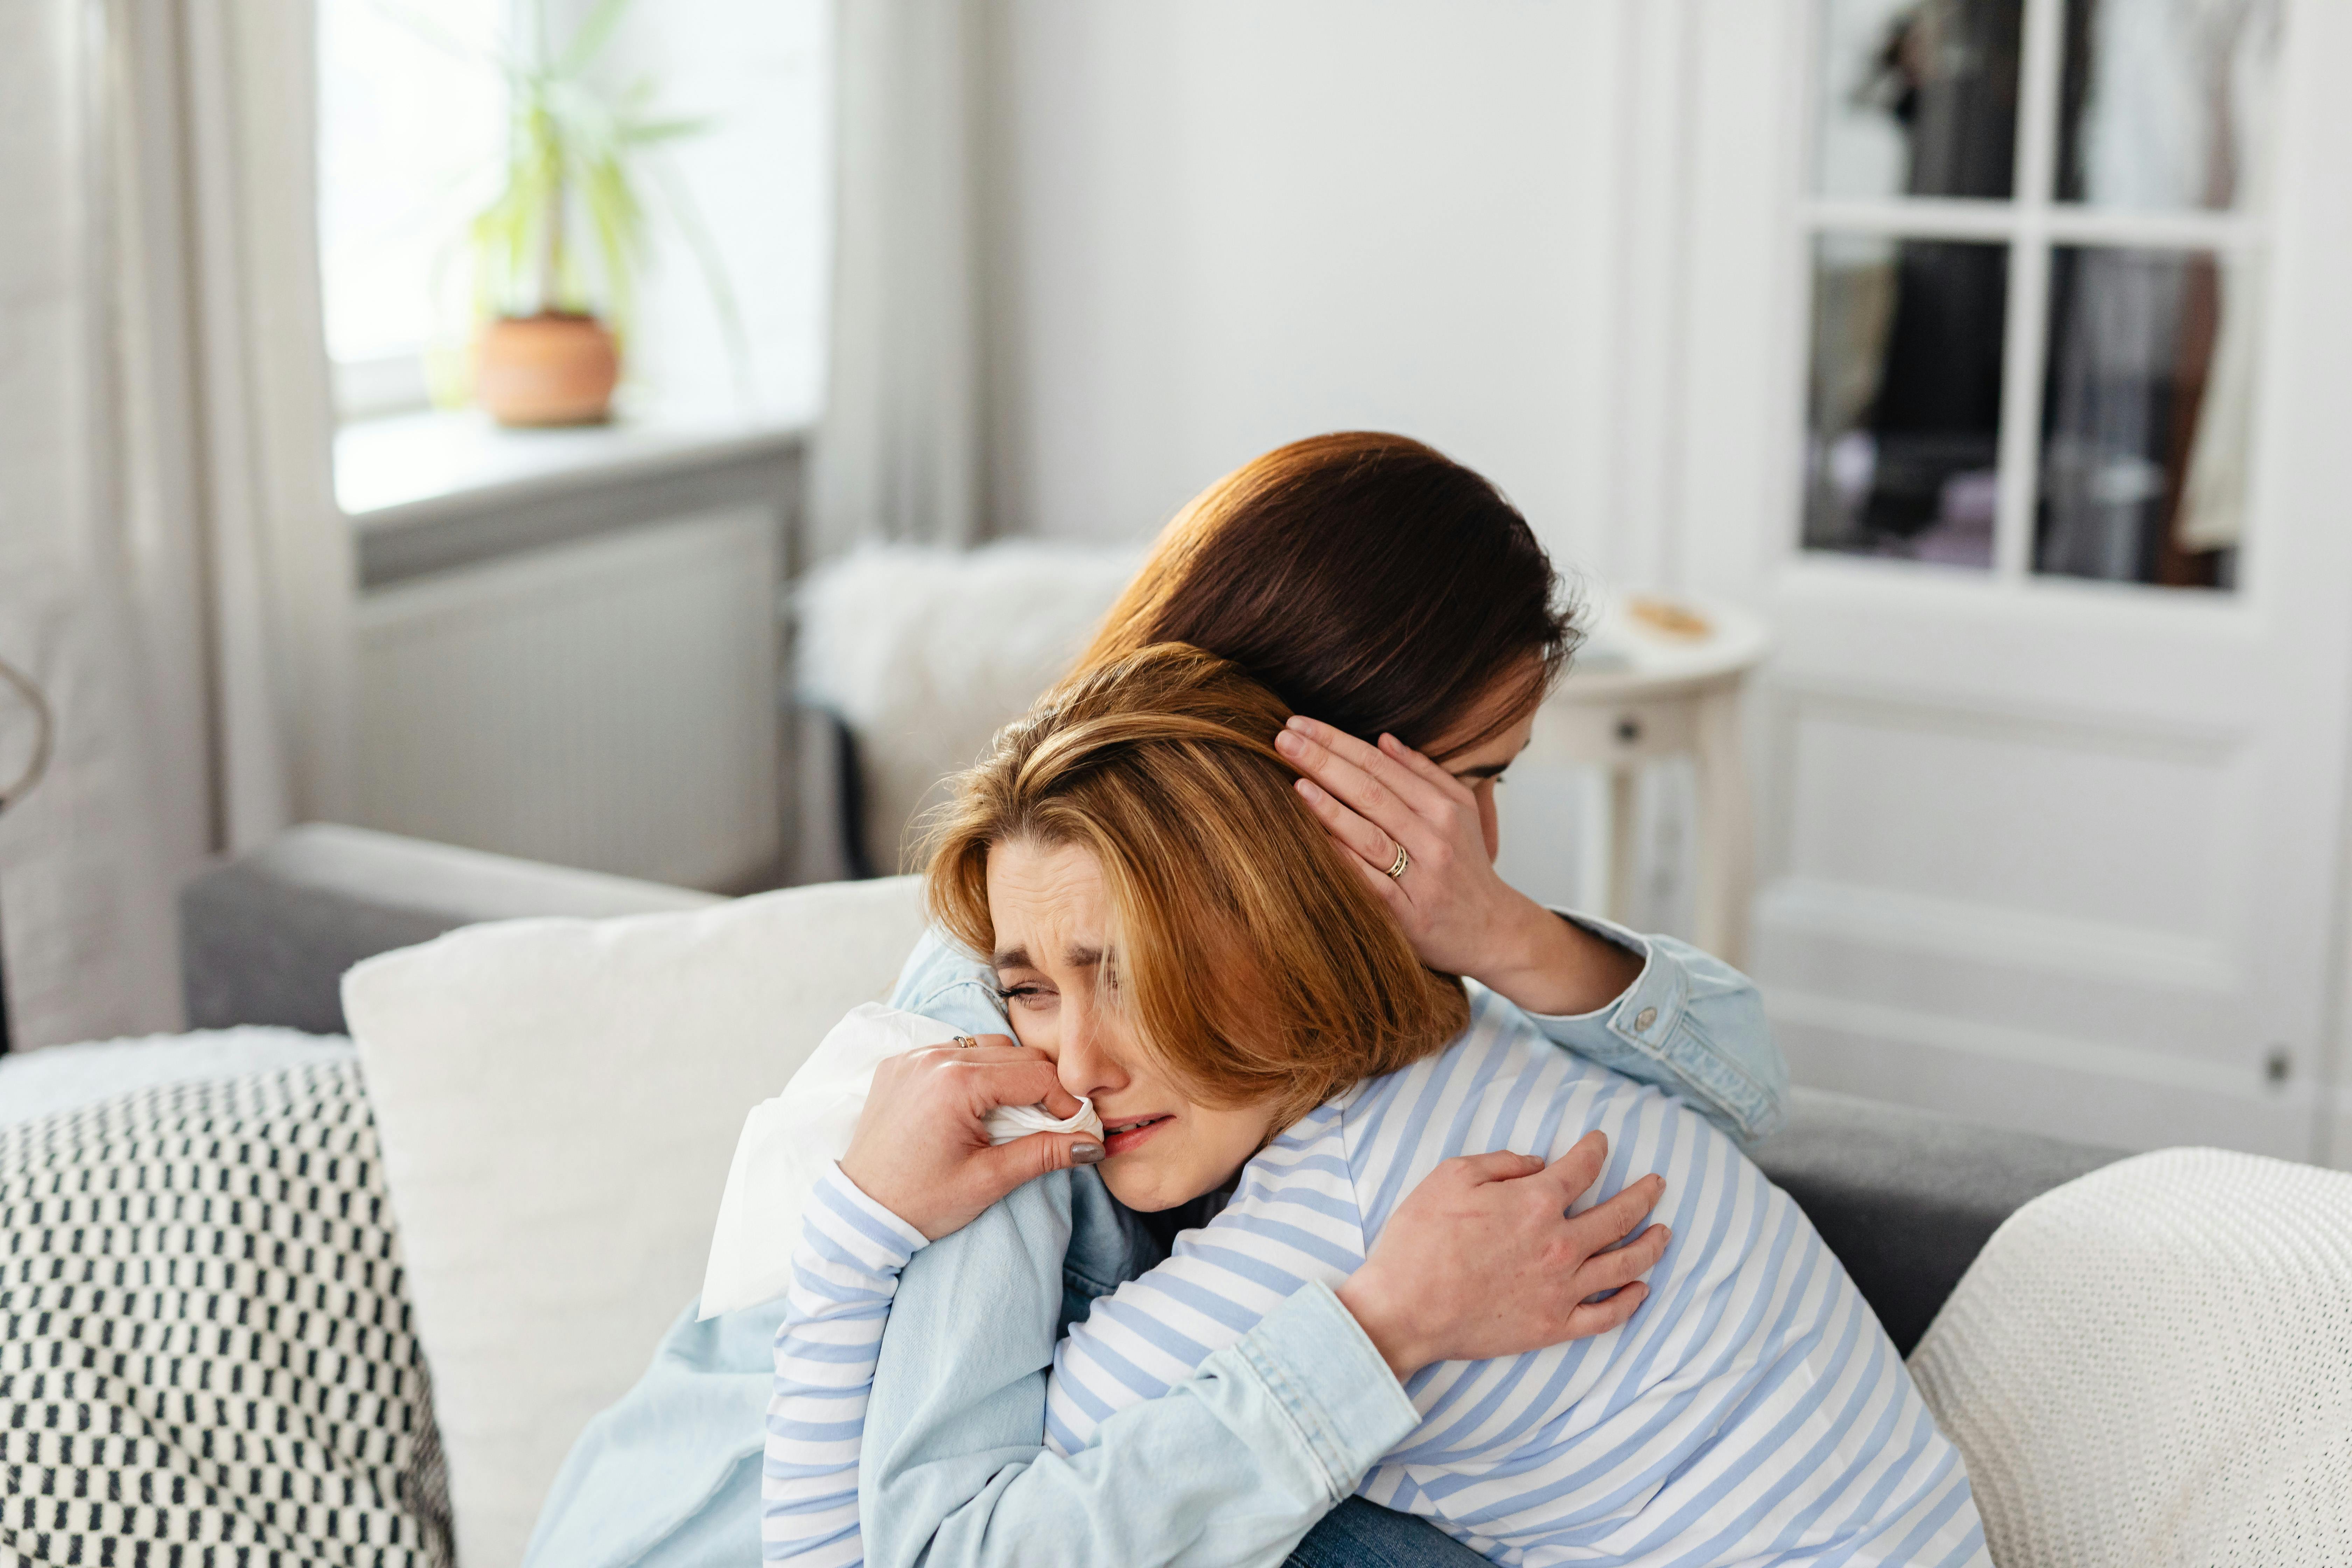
1048,905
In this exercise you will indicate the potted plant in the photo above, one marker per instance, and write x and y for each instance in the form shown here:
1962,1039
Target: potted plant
556,253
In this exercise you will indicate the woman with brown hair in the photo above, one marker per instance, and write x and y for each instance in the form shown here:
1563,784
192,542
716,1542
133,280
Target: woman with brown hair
1181,938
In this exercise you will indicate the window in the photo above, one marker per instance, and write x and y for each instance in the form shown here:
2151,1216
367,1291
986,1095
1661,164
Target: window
411,123
412,139
2034,229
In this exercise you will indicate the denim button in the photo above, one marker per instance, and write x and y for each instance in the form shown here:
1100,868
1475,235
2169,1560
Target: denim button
1644,1018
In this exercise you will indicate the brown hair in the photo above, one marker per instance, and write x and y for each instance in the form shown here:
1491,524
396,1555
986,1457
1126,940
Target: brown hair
1249,959
1372,582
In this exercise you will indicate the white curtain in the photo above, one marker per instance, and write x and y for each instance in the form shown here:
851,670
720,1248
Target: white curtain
897,457
172,568
283,569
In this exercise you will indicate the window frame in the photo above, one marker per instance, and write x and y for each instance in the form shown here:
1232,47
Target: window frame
2031,224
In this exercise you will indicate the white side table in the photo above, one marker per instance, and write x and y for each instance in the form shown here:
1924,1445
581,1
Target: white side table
1663,677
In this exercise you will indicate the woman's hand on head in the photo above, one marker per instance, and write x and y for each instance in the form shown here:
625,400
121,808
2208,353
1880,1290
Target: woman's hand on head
921,1147
1459,914
1482,1260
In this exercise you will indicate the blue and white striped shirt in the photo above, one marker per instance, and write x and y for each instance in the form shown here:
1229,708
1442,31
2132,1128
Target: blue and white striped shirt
1752,1411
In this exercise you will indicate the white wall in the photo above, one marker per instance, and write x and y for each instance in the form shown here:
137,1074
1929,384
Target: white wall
1220,224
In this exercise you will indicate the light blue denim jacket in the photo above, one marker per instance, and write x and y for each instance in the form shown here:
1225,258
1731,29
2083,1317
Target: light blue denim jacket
1237,1463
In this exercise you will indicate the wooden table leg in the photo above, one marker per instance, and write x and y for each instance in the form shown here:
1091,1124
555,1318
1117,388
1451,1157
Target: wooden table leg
1623,839
1724,863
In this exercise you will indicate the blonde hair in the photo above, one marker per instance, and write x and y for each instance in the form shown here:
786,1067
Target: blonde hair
1251,960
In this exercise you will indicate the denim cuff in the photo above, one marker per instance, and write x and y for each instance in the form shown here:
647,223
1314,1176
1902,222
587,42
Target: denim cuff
1644,1013
1318,1363
1657,1033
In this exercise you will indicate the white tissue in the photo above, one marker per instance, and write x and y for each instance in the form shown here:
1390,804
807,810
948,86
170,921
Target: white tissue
1007,1123
788,1143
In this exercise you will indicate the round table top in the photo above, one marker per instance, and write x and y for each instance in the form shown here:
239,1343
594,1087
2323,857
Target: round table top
1651,645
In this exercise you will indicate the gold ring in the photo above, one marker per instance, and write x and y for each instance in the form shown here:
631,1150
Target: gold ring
965,1042
1402,860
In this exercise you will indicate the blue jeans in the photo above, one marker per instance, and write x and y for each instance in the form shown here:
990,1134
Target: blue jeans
1359,1534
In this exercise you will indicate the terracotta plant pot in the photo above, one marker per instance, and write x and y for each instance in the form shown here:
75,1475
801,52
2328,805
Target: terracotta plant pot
547,369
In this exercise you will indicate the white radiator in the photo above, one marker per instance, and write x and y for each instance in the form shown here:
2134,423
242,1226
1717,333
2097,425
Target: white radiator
610,704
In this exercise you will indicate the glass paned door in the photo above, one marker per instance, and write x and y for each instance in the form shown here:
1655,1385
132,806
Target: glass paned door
2033,226
1904,406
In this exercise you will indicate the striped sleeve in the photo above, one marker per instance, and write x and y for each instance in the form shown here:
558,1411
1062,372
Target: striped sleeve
844,1272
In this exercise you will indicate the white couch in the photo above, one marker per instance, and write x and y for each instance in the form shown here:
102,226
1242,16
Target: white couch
2137,1360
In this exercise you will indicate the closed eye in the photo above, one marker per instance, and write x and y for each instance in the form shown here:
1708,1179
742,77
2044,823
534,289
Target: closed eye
1030,996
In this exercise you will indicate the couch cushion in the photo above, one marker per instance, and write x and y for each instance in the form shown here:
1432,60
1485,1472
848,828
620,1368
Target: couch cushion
66,1077
557,1100
207,1348
2154,1364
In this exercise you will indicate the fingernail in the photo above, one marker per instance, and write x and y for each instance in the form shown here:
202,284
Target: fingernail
1287,741
1296,721
1086,1153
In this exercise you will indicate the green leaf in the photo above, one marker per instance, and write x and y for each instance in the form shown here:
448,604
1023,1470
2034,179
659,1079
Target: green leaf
616,223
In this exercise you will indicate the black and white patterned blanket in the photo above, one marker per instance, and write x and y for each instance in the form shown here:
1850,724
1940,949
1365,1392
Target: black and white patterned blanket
205,1352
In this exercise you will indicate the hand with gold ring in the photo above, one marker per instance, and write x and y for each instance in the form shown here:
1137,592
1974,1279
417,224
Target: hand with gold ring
1424,837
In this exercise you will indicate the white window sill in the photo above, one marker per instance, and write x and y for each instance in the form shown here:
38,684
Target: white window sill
403,467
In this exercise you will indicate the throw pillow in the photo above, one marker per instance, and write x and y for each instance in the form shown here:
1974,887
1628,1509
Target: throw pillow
558,1101
206,1351
2150,1364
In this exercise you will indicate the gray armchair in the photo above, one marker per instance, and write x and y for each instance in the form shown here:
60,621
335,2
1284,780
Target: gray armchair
266,939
